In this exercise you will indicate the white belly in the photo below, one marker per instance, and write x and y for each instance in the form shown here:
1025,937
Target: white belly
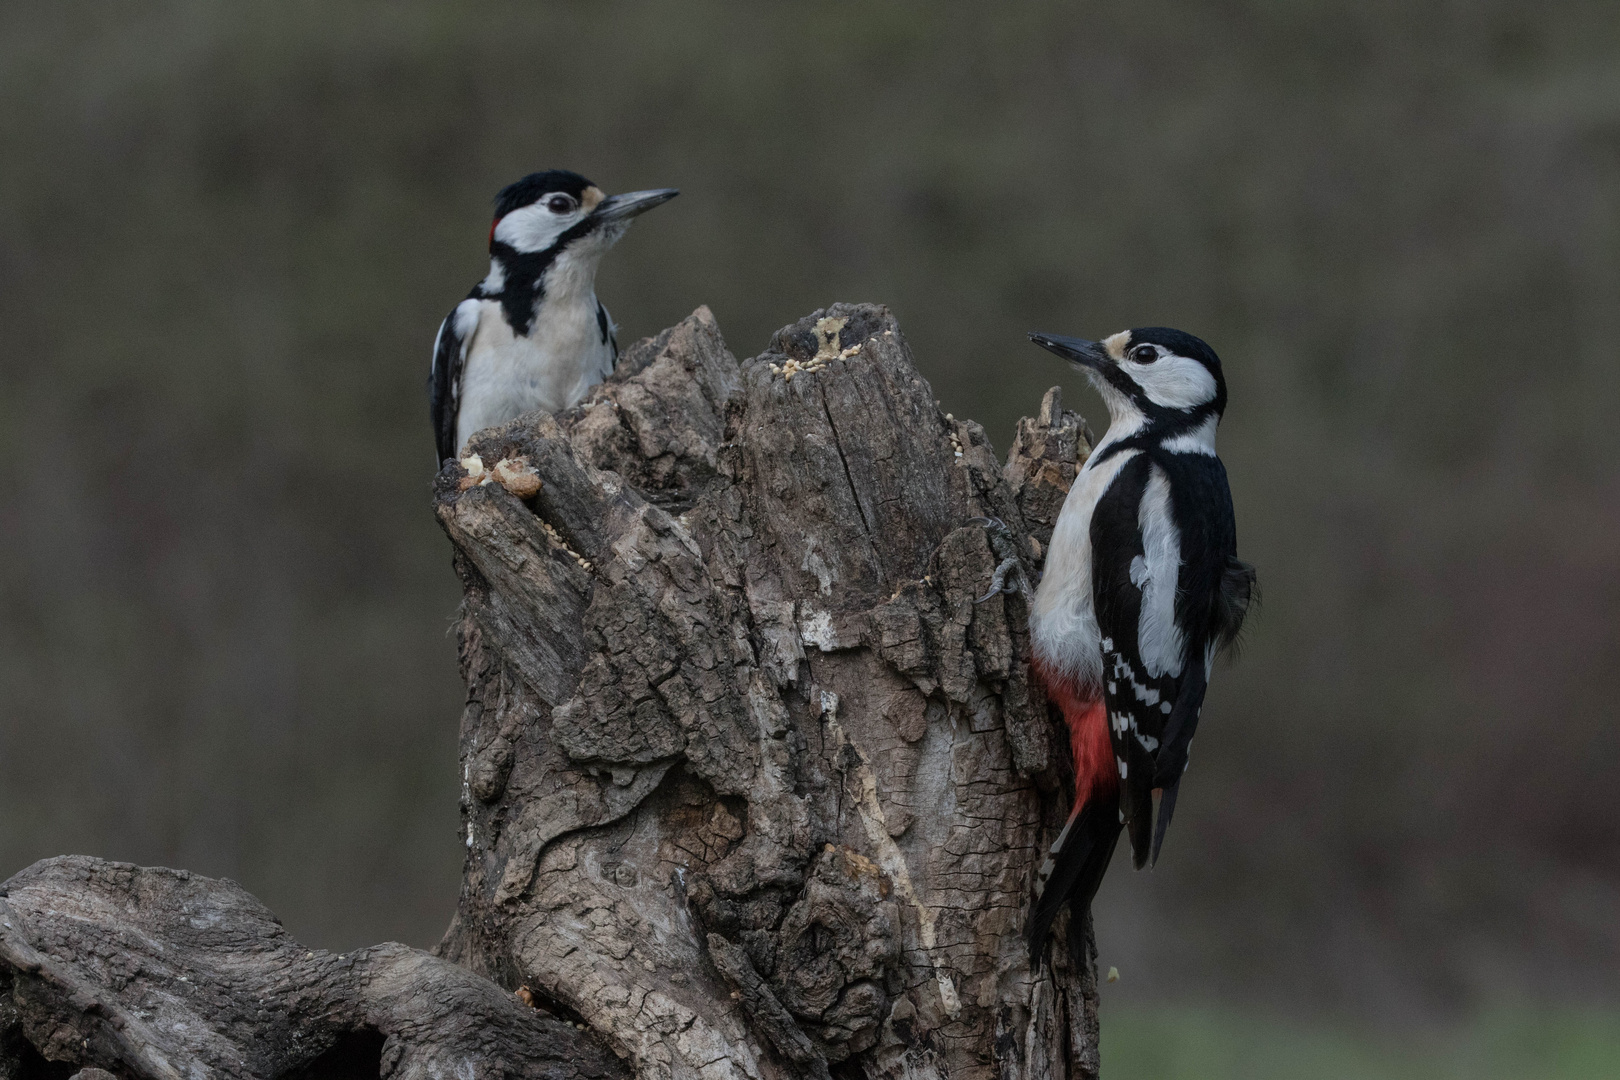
1063,625
505,376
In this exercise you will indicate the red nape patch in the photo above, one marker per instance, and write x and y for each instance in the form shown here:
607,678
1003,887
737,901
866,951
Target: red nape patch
1087,720
492,225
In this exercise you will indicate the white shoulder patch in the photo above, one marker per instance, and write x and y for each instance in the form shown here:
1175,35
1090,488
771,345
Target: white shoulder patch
466,316
463,322
1158,637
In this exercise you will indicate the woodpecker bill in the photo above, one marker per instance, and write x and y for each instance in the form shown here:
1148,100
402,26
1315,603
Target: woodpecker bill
1142,587
532,334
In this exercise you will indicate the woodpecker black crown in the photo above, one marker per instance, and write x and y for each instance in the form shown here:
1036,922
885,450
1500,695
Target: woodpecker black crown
530,189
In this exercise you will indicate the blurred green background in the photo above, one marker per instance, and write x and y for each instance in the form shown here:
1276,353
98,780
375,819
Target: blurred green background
228,232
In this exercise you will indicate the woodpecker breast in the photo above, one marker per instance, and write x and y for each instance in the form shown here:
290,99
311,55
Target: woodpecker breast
1063,622
552,368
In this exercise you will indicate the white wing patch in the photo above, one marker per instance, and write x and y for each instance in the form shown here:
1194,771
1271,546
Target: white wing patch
466,316
465,326
1158,637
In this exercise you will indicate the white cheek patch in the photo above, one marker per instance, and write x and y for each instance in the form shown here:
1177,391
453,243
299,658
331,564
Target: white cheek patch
1174,382
533,228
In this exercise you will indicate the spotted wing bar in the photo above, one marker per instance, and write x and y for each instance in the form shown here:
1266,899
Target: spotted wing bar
1135,572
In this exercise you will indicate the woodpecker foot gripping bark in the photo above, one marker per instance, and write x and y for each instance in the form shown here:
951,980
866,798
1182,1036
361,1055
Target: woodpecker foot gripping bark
1009,576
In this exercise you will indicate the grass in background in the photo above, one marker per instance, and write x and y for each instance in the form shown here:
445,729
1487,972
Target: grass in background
1214,1044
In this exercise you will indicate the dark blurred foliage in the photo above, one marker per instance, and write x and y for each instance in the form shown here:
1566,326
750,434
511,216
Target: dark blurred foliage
228,231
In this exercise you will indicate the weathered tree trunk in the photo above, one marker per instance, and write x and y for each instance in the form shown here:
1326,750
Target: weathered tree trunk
163,975
752,786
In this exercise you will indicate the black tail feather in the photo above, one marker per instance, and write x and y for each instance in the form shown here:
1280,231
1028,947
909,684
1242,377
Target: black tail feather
1079,870
1167,807
1080,930
1182,724
1139,823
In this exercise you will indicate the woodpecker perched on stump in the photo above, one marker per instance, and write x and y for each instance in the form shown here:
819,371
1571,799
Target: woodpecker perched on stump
1142,587
532,334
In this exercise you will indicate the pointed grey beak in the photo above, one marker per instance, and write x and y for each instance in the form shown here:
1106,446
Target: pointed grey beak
1085,353
631,203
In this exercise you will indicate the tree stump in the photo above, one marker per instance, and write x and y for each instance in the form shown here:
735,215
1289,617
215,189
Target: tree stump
752,786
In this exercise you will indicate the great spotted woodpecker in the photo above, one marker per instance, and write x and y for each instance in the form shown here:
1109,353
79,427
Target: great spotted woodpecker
532,334
1142,587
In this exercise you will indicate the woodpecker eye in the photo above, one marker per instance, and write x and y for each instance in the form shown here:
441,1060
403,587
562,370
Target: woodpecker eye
1144,354
560,204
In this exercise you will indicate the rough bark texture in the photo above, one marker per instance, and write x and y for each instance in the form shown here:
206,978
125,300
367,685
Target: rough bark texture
753,787
157,973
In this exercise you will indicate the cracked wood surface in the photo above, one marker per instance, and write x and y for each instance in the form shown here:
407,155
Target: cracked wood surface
760,793
752,787
157,974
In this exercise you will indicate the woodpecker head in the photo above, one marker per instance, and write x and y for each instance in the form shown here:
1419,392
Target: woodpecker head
560,210
1159,374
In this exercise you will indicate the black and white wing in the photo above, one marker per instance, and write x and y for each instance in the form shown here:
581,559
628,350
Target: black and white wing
444,380
1213,591
605,327
1163,538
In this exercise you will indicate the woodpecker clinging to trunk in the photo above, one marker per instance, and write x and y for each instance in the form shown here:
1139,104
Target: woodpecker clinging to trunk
1142,587
532,334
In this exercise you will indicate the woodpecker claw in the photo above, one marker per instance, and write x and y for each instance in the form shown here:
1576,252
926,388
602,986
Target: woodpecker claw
1009,574
1008,578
